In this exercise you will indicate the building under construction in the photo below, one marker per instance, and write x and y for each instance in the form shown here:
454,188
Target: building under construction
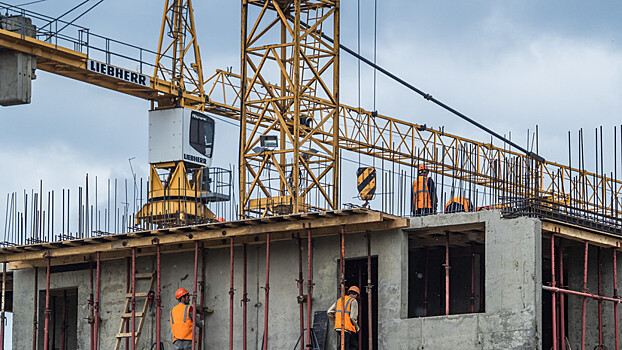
529,261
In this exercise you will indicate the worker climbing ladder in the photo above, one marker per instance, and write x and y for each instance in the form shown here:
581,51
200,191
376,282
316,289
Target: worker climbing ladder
128,328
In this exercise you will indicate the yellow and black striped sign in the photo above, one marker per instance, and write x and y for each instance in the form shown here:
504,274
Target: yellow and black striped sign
366,182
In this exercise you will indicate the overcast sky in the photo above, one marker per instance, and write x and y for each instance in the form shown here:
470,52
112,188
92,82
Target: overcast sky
508,64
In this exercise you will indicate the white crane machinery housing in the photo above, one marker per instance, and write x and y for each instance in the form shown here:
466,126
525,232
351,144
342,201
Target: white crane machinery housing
181,135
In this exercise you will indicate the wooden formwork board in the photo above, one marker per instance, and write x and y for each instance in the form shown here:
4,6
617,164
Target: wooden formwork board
581,234
216,235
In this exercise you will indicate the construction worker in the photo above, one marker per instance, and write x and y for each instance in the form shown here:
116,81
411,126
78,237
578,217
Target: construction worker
458,205
351,329
423,194
181,321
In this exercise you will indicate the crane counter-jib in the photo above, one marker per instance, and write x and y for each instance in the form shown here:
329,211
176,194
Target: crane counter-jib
77,65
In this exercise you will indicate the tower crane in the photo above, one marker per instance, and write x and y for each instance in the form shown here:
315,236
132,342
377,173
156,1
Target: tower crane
292,122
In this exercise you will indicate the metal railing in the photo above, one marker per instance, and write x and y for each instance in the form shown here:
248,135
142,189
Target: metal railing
66,34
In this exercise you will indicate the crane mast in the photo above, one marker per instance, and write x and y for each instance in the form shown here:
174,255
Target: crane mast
179,190
289,147
184,69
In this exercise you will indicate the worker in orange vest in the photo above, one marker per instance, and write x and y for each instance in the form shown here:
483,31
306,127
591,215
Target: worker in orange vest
423,194
458,205
182,316
351,329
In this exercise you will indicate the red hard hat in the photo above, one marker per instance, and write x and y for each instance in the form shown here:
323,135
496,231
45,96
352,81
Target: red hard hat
355,289
220,219
180,293
422,167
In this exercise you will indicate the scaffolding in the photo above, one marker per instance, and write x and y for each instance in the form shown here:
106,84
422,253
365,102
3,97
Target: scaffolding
561,291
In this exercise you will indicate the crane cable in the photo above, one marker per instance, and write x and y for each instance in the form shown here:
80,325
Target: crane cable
358,47
375,112
427,96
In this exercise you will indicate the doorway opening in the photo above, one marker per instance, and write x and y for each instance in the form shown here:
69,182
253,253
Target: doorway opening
356,275
63,326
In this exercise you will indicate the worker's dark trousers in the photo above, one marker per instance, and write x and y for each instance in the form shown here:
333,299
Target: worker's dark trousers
182,344
351,340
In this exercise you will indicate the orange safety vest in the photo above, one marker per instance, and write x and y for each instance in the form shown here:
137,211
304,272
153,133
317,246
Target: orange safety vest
421,196
181,322
461,201
348,305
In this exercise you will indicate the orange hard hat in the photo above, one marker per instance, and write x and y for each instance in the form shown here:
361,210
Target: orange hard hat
180,293
220,219
422,167
355,289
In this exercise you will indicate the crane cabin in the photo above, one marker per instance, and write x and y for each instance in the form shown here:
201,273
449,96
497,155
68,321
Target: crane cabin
181,135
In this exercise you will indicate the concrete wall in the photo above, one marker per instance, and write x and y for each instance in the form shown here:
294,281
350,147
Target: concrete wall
512,297
16,72
513,292
16,69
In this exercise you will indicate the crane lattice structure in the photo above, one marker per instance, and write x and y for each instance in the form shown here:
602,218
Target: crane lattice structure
178,62
300,112
508,175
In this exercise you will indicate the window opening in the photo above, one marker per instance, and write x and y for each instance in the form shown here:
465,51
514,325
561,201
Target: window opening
429,294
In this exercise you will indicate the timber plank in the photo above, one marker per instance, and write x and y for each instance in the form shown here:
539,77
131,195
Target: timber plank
251,231
578,233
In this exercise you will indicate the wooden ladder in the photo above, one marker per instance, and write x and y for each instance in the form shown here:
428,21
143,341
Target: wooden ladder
126,316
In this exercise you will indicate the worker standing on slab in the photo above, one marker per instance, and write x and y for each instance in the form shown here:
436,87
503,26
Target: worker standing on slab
351,306
423,194
182,316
